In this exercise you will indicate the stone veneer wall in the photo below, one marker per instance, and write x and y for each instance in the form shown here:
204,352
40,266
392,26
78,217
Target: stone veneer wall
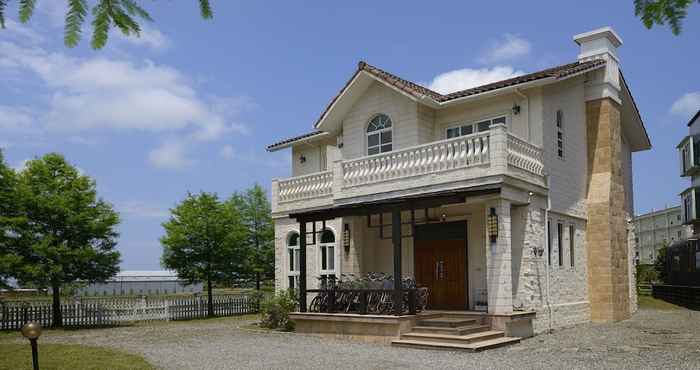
608,251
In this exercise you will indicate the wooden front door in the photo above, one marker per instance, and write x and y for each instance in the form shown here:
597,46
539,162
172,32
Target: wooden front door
441,264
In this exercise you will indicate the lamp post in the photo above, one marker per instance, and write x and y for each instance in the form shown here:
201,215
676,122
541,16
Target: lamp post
32,331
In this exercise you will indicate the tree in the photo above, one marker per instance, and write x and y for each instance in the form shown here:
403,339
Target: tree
661,12
122,14
7,217
660,264
203,241
255,211
64,232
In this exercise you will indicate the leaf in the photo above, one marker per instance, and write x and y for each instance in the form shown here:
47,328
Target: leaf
26,9
136,10
75,17
101,22
205,9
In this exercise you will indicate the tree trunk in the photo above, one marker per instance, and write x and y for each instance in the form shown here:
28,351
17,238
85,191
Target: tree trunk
257,281
210,305
57,314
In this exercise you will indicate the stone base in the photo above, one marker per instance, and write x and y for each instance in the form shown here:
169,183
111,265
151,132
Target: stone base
366,328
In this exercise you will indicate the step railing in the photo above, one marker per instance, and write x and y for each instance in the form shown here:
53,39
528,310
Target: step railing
459,152
305,187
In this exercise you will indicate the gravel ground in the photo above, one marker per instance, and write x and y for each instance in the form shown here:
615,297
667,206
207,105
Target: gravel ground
650,340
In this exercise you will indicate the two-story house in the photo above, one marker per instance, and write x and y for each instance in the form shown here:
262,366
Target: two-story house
510,199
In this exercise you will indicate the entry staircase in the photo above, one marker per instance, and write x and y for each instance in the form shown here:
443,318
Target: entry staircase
453,331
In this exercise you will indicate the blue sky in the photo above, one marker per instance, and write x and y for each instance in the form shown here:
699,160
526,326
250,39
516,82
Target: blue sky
191,105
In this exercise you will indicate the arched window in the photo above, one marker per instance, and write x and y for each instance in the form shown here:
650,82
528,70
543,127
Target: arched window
293,253
327,252
379,135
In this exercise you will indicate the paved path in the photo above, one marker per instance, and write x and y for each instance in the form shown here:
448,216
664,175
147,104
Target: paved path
650,340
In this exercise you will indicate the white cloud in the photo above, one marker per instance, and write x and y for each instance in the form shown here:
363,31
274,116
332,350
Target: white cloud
100,93
55,11
466,78
170,155
687,105
227,152
149,37
17,30
16,120
142,209
508,48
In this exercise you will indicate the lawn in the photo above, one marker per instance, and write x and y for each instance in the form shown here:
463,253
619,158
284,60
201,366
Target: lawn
16,356
649,302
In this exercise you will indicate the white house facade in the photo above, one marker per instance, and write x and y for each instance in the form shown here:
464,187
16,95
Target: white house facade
509,198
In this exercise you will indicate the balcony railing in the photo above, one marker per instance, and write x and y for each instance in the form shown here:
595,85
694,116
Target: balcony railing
305,187
524,155
424,159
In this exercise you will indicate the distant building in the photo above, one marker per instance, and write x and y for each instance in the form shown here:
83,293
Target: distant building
656,227
141,283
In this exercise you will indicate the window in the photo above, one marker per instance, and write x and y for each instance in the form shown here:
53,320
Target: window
572,242
549,243
560,243
379,135
293,253
470,128
560,134
327,253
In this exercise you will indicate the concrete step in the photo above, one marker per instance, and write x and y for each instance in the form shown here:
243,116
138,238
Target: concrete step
460,330
447,322
456,339
470,347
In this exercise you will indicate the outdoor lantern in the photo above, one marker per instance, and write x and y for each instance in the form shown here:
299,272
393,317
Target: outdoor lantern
516,109
32,331
492,225
346,237
537,251
302,159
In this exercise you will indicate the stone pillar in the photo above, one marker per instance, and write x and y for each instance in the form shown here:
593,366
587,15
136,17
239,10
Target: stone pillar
499,281
498,149
606,233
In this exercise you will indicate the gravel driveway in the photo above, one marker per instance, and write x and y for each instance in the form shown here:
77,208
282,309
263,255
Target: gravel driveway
650,340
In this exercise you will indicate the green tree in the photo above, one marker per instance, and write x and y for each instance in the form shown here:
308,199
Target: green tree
7,216
660,12
106,14
64,232
203,241
255,211
660,262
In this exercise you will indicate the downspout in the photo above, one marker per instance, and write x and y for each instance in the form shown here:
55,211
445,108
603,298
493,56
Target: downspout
546,265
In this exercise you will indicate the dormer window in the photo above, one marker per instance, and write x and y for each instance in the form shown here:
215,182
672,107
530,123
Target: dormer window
379,135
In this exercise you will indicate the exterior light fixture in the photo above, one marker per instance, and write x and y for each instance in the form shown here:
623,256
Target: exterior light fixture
492,225
346,238
516,109
302,159
537,251
32,331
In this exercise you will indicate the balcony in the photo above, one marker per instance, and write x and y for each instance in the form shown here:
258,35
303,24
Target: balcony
460,162
689,155
690,206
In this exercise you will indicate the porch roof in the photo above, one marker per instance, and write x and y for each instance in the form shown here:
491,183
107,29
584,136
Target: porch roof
419,201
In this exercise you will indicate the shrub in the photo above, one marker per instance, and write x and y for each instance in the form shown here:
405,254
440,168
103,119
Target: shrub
256,298
274,311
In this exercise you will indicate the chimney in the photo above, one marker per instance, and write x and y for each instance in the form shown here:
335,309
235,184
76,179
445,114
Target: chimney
601,43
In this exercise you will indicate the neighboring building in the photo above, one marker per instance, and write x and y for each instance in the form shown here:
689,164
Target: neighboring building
656,228
516,194
141,283
689,153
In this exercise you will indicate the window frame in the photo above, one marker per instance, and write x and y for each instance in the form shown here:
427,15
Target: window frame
325,246
549,242
474,124
560,243
380,146
572,244
560,134
293,263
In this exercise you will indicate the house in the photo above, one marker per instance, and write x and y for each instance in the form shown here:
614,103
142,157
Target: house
141,283
655,229
510,201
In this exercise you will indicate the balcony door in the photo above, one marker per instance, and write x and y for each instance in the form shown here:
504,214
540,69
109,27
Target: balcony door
440,258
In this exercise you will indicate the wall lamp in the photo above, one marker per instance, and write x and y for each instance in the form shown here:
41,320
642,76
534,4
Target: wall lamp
346,238
302,159
537,251
516,109
492,225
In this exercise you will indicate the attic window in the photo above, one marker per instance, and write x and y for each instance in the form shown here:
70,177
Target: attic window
560,134
379,135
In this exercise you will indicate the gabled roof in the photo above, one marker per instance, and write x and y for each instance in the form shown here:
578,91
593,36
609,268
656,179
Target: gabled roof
695,118
287,142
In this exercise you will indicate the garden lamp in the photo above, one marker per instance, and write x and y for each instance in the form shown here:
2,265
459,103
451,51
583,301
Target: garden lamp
32,331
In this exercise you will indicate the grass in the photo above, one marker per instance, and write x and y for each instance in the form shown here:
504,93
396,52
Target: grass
649,302
15,356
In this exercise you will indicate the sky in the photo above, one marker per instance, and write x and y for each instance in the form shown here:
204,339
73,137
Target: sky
192,103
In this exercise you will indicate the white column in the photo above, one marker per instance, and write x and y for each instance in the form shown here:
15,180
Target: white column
498,148
499,282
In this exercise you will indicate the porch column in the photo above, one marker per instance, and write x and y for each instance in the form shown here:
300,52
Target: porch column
302,266
499,280
396,240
